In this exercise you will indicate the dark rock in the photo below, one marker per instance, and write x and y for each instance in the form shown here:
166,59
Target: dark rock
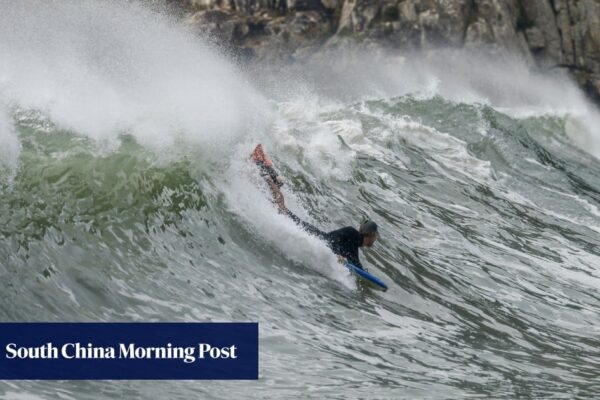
546,33
535,38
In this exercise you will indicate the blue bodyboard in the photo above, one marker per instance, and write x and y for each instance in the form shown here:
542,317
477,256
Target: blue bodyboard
364,274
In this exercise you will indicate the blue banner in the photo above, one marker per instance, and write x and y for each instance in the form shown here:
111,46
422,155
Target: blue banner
128,351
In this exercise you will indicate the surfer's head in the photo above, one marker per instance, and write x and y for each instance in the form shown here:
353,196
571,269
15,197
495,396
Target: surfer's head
368,230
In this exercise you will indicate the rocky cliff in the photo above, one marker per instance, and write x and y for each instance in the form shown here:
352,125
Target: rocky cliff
547,33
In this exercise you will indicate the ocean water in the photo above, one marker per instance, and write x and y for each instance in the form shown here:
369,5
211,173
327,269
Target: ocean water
127,195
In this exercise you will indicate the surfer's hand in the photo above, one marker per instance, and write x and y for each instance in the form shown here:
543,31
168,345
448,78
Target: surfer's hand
341,260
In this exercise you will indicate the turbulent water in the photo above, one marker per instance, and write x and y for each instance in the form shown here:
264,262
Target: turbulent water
127,196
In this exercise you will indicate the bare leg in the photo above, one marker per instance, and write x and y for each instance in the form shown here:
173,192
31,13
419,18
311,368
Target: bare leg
274,181
277,197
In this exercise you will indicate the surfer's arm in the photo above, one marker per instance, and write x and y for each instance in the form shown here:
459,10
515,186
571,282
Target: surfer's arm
347,255
353,259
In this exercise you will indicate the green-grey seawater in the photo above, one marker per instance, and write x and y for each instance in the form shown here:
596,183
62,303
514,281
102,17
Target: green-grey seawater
139,211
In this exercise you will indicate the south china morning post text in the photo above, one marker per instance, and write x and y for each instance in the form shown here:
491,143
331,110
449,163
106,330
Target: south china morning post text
124,350
128,351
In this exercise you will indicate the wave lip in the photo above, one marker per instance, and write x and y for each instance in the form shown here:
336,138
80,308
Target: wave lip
104,68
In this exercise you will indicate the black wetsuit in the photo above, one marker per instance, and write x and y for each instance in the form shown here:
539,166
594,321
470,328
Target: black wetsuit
343,242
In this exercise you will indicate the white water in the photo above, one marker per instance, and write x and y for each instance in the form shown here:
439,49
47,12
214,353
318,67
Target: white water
103,68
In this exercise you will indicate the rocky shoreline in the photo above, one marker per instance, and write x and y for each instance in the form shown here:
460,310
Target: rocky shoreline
547,34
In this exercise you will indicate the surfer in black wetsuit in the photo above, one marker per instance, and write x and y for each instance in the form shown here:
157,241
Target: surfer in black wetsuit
344,242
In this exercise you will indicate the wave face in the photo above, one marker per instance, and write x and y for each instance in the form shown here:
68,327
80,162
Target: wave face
126,196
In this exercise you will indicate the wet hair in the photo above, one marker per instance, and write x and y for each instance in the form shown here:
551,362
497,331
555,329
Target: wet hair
367,227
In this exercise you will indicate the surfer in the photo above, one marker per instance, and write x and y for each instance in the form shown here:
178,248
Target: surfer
344,242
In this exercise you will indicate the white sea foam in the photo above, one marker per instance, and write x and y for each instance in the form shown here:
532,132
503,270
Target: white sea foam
11,146
105,68
506,84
